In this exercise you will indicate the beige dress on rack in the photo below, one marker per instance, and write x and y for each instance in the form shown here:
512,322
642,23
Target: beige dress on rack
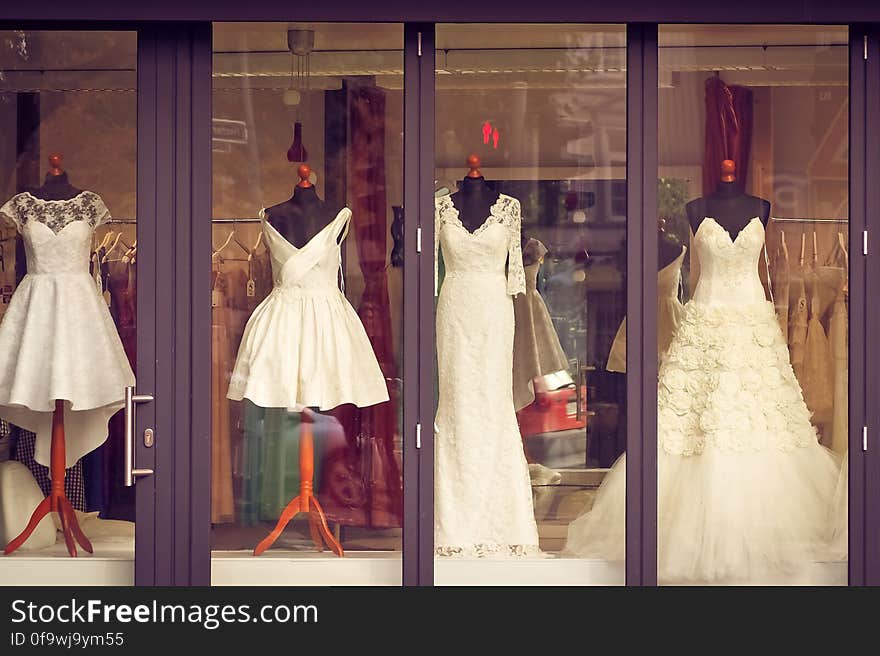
536,348
839,338
797,328
781,281
817,380
669,310
222,502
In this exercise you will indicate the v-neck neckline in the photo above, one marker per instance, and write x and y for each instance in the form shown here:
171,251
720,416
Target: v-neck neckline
310,241
493,209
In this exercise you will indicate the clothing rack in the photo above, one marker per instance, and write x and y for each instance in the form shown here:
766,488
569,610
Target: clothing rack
792,220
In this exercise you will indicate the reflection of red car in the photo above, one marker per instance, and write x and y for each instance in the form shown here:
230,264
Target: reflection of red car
554,410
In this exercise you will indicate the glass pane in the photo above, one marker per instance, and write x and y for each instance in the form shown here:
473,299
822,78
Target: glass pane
531,225
307,274
752,307
68,119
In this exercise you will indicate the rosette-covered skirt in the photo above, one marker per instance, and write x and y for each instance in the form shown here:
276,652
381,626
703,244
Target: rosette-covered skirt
745,489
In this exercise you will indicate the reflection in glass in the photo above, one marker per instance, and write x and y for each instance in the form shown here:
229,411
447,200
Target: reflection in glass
307,293
530,236
68,112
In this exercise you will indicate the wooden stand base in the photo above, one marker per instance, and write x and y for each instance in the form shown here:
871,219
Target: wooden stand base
57,500
306,502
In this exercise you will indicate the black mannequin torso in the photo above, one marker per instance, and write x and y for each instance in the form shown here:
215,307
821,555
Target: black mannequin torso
474,201
56,187
300,218
732,209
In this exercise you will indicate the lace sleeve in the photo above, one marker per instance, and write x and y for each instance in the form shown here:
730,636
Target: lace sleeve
99,212
516,276
9,211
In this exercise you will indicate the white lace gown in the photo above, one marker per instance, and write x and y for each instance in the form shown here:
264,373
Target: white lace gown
304,346
483,497
744,485
57,339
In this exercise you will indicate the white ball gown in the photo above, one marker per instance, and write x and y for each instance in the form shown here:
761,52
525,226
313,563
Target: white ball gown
744,487
57,339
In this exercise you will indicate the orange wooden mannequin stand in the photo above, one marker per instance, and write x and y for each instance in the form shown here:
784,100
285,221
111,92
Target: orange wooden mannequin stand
57,500
306,502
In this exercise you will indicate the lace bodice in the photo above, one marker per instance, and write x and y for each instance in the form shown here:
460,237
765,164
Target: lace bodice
57,233
729,267
484,251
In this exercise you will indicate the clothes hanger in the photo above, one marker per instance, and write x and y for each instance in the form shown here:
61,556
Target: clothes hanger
130,253
119,240
108,237
229,239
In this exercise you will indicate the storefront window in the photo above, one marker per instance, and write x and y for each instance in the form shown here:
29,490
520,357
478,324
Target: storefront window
752,219
307,273
530,235
68,263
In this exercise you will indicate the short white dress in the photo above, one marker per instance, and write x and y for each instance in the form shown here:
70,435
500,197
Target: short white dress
57,338
304,345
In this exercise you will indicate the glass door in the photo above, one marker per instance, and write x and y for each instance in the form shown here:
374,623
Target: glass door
68,299
307,304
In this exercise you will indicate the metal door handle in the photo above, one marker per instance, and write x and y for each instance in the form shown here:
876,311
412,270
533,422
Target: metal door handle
130,472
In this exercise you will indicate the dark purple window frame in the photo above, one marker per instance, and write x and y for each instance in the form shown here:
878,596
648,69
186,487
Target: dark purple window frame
174,192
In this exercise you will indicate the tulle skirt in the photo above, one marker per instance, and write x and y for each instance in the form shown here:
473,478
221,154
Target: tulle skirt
723,516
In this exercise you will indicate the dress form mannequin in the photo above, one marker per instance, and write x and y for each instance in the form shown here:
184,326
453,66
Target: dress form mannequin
302,216
475,198
56,187
298,220
731,209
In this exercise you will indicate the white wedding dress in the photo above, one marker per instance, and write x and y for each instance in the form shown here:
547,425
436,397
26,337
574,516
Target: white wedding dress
57,339
304,346
483,497
744,487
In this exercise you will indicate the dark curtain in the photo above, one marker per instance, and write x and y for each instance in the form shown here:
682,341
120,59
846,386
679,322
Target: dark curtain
361,481
729,114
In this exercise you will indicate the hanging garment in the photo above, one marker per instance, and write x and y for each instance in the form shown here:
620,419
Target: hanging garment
106,491
482,490
743,484
817,380
7,272
669,310
536,348
838,334
57,339
839,516
781,282
798,325
222,501
304,346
